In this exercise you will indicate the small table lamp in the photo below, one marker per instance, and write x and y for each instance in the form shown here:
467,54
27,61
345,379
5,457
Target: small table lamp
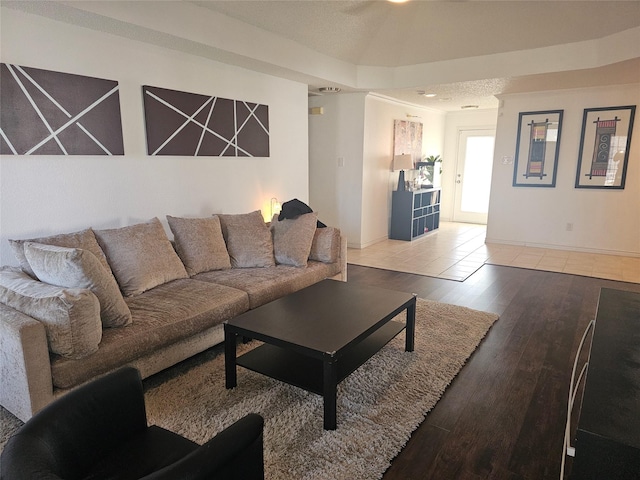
402,162
275,207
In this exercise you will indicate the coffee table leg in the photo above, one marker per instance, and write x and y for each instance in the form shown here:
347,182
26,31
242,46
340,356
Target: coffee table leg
330,392
411,326
230,358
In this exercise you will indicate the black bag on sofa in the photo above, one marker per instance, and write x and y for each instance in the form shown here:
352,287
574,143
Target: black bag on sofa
294,208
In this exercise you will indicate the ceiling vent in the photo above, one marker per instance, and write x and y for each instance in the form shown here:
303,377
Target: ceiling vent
329,89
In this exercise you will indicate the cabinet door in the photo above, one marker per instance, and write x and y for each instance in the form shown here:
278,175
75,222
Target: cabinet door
402,215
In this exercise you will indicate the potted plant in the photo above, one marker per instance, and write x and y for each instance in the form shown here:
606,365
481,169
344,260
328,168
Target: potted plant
433,159
430,162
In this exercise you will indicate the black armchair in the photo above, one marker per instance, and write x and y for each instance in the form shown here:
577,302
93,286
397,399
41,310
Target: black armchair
99,431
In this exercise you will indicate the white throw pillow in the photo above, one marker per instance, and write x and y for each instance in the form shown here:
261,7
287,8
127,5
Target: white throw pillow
71,316
78,268
141,256
292,239
248,240
326,245
84,239
200,244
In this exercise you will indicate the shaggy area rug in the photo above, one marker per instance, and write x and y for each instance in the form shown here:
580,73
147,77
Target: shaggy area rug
379,405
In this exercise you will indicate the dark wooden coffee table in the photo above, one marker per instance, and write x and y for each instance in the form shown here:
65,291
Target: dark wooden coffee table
316,337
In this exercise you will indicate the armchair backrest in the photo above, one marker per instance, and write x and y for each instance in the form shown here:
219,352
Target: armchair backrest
68,436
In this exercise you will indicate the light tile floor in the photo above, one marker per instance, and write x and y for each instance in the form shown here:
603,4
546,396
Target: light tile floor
457,250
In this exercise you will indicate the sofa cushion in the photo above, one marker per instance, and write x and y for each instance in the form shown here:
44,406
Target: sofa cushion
199,243
292,239
266,284
326,245
161,316
78,268
248,240
141,256
71,316
84,239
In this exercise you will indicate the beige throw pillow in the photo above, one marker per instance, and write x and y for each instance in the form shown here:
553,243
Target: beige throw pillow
326,245
84,239
248,240
141,256
78,268
200,244
71,316
292,239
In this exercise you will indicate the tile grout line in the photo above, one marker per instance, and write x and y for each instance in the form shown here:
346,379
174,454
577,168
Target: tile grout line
397,257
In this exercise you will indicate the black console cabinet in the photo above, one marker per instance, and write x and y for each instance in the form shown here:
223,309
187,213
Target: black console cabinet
608,437
414,213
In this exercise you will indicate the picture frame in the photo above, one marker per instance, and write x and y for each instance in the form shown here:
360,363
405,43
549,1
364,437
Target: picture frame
46,112
426,174
537,148
407,139
189,124
604,147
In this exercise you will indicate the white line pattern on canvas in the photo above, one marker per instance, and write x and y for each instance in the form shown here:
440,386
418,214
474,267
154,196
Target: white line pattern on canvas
53,134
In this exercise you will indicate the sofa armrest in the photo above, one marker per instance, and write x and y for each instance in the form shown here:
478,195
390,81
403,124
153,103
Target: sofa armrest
25,368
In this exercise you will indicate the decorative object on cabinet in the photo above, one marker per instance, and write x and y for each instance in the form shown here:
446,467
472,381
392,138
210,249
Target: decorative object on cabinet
434,159
428,175
54,113
402,163
574,388
189,124
537,149
413,214
604,147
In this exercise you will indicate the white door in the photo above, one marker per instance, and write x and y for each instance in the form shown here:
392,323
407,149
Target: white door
473,175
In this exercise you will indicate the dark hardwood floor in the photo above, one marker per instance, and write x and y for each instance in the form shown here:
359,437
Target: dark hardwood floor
503,416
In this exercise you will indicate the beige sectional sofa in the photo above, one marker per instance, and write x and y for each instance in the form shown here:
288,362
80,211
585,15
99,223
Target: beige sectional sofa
85,303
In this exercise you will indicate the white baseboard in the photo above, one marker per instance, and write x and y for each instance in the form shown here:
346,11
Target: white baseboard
360,246
563,247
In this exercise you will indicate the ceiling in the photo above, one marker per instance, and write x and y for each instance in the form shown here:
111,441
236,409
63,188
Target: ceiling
381,33
464,51
423,32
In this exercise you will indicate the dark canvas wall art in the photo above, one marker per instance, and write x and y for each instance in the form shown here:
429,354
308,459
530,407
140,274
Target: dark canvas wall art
189,124
52,113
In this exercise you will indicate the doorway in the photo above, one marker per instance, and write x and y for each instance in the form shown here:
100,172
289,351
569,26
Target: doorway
473,175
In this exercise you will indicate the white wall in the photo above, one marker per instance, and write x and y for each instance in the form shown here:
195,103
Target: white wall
41,195
358,129
605,221
378,178
335,161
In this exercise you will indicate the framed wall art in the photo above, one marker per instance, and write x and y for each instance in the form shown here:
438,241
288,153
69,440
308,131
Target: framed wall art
53,113
407,139
604,147
190,124
537,148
